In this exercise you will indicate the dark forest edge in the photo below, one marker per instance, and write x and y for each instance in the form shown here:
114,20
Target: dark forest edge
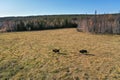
33,23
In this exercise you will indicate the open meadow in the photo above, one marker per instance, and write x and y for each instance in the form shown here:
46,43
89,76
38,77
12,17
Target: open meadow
29,56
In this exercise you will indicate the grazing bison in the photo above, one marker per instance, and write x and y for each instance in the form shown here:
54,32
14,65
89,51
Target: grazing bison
56,50
83,51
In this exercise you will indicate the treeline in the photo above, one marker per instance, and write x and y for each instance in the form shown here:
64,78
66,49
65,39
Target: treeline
101,24
104,23
44,24
11,24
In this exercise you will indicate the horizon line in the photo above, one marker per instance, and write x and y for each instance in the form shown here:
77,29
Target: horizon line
65,14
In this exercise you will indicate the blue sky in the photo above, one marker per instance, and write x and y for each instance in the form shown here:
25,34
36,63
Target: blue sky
52,7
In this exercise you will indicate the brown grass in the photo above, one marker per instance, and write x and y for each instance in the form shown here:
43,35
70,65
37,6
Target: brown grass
29,56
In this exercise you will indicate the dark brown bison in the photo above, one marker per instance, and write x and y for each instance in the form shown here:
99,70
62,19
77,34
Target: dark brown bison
83,51
56,50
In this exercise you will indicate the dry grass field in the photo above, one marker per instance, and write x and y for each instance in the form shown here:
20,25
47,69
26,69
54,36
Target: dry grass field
29,56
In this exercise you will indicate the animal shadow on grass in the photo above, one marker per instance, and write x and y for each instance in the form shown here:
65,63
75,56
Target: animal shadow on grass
89,54
62,53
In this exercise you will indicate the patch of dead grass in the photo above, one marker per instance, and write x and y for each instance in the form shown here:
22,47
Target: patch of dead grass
28,55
